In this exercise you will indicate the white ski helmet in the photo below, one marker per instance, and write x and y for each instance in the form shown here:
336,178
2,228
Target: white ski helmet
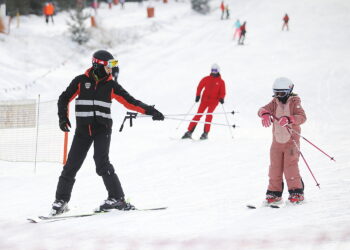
282,87
215,68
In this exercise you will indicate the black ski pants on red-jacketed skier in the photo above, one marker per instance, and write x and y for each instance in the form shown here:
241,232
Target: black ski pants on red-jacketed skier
100,136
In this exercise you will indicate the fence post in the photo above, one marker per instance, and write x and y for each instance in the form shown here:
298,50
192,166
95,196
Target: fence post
37,132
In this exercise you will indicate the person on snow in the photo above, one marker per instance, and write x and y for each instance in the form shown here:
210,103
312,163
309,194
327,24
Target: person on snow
94,91
48,11
242,32
285,22
284,112
237,26
227,10
222,7
214,92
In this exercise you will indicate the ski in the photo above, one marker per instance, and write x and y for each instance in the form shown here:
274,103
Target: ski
41,218
255,207
284,204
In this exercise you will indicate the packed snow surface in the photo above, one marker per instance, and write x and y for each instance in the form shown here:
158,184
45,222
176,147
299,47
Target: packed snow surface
205,184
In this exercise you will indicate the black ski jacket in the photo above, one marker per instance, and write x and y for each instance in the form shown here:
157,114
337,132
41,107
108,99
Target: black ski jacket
94,99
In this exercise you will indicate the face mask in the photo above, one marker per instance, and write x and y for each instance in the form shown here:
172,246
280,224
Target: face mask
100,71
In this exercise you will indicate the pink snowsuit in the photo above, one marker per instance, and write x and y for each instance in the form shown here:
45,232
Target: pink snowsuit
284,155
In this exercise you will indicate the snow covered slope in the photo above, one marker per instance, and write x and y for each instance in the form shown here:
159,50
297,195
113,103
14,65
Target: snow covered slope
205,185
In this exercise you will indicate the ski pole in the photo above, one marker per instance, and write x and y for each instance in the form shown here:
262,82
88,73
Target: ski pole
330,157
229,127
302,156
189,111
212,123
215,113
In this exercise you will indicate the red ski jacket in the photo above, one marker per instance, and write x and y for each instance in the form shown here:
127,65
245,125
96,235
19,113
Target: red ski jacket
214,89
286,18
222,6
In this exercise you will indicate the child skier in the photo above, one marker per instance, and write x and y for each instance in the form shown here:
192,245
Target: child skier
284,112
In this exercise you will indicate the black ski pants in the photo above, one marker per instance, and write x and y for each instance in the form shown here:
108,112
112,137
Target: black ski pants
84,136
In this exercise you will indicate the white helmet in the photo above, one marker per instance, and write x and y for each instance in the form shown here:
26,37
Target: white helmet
215,68
282,87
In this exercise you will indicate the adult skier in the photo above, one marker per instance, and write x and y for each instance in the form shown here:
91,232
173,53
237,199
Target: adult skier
242,32
48,11
284,112
214,92
237,26
222,7
94,91
285,22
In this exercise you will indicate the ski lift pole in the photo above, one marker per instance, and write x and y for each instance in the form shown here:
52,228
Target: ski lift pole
189,111
212,123
214,113
229,127
129,115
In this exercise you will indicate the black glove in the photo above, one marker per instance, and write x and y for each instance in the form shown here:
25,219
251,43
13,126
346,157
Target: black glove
156,115
64,124
197,98
221,100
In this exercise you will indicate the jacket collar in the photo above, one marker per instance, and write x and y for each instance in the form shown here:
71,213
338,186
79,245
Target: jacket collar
89,73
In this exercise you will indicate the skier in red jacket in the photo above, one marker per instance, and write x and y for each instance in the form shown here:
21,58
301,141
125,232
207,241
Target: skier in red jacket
285,22
214,92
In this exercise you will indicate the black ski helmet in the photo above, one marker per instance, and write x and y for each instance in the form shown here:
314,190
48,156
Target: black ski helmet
99,60
101,57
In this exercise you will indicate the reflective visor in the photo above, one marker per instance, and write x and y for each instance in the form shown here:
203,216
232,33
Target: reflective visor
281,92
110,63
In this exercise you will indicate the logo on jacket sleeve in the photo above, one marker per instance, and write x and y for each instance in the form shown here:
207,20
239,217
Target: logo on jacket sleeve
87,85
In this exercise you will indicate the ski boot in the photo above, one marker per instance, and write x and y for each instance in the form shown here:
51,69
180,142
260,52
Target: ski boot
187,135
273,199
112,203
204,136
296,198
59,207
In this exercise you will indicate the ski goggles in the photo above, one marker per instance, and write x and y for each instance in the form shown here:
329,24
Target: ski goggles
112,63
281,92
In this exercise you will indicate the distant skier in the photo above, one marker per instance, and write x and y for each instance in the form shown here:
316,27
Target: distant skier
49,11
222,7
242,32
110,4
122,2
285,22
237,26
284,111
227,11
95,5
94,91
214,92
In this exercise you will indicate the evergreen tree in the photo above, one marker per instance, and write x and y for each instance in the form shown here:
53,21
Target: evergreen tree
77,26
200,6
